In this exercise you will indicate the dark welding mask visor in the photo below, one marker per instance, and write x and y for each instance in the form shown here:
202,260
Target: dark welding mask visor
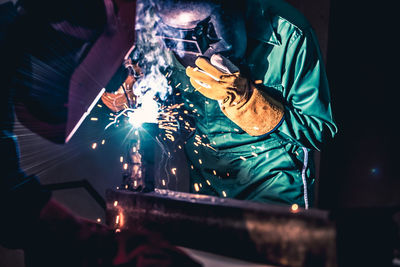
194,41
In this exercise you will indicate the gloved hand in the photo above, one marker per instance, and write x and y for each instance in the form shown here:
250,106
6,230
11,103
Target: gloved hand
124,96
240,100
219,80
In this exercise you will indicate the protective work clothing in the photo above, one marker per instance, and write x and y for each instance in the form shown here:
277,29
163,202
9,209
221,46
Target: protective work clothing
284,62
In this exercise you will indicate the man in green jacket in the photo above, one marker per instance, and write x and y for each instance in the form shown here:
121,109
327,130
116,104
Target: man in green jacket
251,74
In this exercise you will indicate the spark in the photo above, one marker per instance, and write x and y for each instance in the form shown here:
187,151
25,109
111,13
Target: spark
94,145
94,119
196,187
200,161
173,170
242,158
209,146
119,220
100,106
208,182
98,220
121,159
115,203
295,208
115,120
224,193
170,137
103,142
254,154
215,172
163,182
125,166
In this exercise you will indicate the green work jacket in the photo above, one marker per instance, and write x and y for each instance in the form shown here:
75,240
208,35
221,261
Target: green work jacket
276,167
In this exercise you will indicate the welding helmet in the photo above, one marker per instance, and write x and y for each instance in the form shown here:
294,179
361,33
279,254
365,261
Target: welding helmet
202,28
71,51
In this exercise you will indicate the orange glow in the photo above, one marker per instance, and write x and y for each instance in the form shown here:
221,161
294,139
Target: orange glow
196,187
173,170
121,219
295,207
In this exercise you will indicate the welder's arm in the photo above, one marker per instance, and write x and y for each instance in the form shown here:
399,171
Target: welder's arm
241,101
308,115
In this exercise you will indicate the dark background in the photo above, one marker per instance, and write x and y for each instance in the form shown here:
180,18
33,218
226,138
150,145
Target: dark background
359,168
359,43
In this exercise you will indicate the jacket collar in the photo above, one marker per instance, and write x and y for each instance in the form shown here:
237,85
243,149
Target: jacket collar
259,24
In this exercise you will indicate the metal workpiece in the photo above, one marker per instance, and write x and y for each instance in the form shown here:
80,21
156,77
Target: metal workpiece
255,232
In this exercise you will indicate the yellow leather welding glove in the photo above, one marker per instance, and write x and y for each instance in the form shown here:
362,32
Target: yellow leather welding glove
240,100
122,98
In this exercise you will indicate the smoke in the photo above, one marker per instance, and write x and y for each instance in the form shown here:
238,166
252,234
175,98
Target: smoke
151,56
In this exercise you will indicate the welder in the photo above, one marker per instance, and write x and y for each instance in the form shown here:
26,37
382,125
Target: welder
253,76
43,44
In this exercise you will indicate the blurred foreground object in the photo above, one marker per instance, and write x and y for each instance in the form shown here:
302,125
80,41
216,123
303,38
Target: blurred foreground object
260,233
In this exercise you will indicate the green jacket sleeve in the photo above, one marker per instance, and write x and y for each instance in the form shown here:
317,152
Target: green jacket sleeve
308,116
